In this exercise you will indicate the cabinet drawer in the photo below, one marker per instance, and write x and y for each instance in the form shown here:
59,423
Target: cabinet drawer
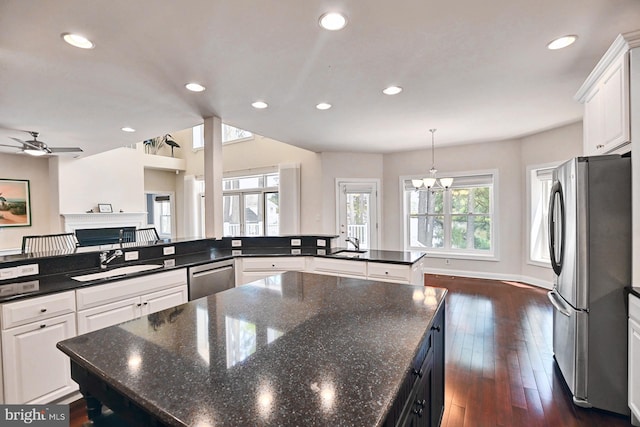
634,308
34,309
385,271
121,289
340,267
275,264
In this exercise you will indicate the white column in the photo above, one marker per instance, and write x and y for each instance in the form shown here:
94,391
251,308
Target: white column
289,198
213,176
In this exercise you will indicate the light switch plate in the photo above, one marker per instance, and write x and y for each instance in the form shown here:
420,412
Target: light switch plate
169,250
321,243
131,256
295,251
322,251
236,243
170,262
236,252
295,242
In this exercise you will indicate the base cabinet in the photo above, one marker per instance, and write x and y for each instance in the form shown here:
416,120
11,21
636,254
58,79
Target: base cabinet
634,359
420,400
35,371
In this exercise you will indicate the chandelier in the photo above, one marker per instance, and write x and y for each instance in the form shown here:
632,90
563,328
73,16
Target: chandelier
432,181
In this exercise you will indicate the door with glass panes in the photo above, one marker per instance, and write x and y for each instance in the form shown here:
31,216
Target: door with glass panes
357,212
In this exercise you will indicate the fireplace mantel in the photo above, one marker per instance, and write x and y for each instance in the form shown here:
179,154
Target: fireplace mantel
73,221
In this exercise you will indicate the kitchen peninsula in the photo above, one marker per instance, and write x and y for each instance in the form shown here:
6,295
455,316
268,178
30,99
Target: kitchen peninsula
290,349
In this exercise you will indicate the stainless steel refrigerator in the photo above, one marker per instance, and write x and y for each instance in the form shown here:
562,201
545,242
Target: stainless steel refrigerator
590,248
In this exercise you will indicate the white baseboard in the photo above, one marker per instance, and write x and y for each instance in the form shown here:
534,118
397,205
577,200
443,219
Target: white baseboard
492,276
10,251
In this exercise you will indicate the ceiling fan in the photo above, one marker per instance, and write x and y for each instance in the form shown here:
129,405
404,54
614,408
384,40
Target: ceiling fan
39,148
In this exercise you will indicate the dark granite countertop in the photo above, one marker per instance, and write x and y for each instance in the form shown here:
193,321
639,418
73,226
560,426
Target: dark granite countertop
32,286
294,349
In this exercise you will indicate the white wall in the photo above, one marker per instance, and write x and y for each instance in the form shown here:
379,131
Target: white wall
36,170
346,165
510,158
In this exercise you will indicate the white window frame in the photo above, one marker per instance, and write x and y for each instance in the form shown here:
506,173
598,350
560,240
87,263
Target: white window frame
263,191
197,137
530,205
492,255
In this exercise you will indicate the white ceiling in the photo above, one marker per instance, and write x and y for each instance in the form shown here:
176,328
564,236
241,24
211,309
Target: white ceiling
475,70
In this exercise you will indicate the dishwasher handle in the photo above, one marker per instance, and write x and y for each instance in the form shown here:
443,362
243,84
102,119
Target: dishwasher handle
210,271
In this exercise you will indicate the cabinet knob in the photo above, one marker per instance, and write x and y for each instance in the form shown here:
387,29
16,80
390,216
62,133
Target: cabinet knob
419,373
273,265
421,403
43,310
138,305
436,328
418,412
386,272
43,326
599,146
145,303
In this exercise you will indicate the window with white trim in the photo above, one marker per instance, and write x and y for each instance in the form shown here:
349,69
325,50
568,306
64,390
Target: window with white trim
458,220
540,182
251,205
229,134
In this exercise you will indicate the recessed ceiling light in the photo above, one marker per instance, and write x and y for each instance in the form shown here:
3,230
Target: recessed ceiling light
195,87
259,105
323,106
333,21
77,40
128,129
392,90
562,42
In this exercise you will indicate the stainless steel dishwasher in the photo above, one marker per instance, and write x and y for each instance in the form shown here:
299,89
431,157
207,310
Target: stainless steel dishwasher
210,278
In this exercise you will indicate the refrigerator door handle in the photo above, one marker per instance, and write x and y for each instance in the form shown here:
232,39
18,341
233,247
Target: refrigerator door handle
556,241
558,303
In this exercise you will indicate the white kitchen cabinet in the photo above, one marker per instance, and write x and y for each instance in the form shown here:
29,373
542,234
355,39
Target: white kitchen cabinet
340,267
606,98
398,273
251,269
634,359
123,300
35,371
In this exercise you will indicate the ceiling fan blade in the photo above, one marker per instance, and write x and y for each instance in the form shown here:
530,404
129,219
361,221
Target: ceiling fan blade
65,149
12,146
25,143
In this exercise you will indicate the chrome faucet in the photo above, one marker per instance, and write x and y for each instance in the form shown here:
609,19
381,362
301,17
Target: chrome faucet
354,241
105,258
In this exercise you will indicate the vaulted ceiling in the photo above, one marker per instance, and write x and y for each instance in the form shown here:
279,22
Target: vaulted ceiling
476,71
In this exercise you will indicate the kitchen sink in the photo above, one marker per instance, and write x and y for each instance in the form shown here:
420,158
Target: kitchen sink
348,253
120,271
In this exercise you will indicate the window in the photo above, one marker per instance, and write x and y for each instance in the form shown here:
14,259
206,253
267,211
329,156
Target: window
540,182
251,205
459,220
229,134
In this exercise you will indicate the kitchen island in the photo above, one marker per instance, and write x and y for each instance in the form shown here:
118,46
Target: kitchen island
291,349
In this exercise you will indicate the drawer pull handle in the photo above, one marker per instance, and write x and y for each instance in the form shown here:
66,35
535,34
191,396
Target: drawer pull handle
421,403
273,265
599,146
386,272
138,305
418,412
43,310
419,373
436,328
145,303
43,326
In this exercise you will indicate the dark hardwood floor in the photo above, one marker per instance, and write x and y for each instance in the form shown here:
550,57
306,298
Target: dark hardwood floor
499,363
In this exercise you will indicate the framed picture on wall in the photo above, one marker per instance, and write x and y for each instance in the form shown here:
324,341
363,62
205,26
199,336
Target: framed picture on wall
15,203
105,208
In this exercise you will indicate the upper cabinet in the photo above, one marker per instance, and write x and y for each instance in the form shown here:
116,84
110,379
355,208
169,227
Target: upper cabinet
606,99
